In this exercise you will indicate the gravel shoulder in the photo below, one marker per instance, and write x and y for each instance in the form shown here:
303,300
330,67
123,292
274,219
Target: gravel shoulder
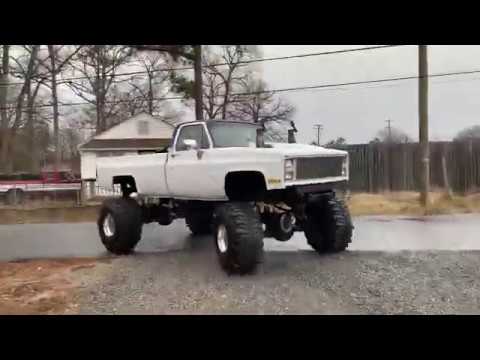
301,282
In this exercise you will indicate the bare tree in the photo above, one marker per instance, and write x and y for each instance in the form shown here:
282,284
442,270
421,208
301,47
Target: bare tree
220,82
58,61
145,92
99,65
4,83
185,53
30,125
472,132
37,77
9,133
70,138
338,142
257,104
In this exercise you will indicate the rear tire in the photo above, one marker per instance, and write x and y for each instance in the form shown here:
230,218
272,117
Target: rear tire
120,225
238,237
328,228
15,197
280,226
199,223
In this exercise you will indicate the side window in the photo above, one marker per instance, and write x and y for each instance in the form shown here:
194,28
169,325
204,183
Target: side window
193,132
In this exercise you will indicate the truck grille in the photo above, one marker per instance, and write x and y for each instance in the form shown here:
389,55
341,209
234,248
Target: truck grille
320,167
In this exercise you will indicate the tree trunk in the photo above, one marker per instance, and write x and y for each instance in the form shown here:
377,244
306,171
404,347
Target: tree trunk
5,159
101,111
226,97
8,141
30,131
3,108
98,89
34,165
150,94
56,128
198,82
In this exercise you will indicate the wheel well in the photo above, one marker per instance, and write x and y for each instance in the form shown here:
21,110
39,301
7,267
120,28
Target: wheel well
245,185
127,184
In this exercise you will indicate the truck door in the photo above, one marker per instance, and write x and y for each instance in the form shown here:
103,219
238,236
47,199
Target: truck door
187,170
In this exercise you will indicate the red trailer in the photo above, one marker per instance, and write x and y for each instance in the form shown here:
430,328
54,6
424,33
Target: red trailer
15,187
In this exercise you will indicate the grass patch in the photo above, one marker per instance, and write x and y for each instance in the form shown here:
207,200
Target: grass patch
407,203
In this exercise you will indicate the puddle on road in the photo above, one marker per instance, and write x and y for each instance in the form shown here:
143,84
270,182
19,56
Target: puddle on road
420,219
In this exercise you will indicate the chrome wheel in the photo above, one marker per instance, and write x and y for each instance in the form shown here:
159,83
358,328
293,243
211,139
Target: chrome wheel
222,238
287,221
109,225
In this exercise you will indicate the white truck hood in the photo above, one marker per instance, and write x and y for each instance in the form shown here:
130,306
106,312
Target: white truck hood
300,150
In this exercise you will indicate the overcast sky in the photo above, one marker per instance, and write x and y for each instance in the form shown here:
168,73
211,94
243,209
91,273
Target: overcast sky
358,112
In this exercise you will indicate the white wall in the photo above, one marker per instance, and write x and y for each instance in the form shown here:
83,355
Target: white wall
129,129
88,165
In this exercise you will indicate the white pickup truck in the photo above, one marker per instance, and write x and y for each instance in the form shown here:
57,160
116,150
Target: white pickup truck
223,178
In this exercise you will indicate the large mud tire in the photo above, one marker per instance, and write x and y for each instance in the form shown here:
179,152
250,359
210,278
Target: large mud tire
328,228
120,225
238,237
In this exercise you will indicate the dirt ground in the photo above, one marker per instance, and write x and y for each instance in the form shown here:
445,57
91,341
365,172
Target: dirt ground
40,286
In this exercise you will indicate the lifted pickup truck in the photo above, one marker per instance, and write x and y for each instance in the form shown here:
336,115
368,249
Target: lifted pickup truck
223,178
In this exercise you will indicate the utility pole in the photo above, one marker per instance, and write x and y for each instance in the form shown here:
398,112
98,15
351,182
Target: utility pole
319,128
423,125
198,90
389,127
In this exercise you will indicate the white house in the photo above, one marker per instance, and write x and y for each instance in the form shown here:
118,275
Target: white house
141,133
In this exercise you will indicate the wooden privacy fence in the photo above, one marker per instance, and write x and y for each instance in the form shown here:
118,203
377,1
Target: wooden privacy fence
397,167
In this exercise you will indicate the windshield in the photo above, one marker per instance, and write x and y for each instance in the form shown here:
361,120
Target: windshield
231,134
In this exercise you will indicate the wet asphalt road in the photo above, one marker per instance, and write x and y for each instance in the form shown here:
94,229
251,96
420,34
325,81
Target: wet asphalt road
372,233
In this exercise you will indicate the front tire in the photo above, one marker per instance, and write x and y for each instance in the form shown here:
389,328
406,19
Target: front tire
120,225
238,237
328,228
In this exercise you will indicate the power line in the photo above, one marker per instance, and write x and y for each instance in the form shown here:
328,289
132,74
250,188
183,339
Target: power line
243,62
274,91
364,82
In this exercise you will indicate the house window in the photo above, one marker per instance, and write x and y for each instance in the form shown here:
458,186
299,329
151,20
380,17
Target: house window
142,127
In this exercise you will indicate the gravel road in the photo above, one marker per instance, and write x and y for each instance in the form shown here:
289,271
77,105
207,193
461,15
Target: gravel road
301,282
394,266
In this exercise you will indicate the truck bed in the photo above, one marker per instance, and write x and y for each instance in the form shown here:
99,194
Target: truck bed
147,169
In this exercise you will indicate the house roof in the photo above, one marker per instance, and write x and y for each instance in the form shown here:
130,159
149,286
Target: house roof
125,144
124,136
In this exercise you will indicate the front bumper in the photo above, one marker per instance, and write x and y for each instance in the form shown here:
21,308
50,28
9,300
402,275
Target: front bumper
319,188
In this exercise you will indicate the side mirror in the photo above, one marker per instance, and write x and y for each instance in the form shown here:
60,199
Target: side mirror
190,144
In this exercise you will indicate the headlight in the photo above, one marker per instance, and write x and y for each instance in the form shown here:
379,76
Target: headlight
289,169
345,167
